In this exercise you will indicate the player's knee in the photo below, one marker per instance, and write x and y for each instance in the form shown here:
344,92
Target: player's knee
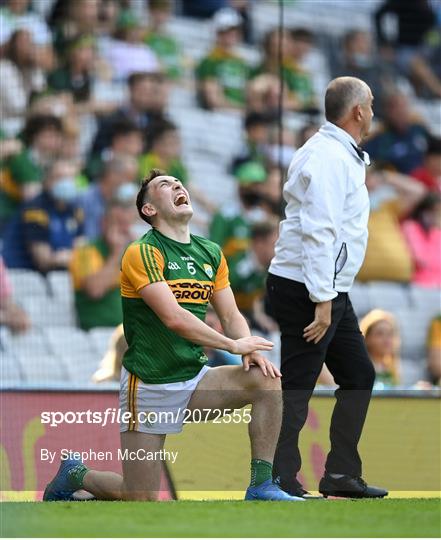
258,381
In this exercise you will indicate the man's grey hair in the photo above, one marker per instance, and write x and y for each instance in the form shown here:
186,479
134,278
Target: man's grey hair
342,94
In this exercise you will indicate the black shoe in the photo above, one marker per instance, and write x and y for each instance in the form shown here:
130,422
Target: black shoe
295,489
352,487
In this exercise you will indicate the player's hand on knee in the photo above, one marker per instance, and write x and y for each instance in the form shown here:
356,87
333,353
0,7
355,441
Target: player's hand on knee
322,321
256,359
247,345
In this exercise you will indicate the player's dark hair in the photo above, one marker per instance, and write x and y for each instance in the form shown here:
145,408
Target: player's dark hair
142,196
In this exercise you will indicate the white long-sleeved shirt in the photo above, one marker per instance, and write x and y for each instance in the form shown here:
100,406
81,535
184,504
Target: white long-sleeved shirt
322,241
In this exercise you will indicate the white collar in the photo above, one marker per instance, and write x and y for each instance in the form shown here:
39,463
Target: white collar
345,138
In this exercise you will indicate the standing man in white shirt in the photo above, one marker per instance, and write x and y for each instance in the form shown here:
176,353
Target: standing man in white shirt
320,249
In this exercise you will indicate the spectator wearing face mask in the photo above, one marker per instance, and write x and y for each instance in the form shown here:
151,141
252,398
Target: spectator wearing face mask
423,234
45,230
95,269
23,172
357,58
126,140
117,182
392,198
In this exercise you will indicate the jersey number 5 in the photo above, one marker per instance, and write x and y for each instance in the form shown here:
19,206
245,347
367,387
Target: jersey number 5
191,268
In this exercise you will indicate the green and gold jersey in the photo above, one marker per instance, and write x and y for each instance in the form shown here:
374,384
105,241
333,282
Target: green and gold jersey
193,271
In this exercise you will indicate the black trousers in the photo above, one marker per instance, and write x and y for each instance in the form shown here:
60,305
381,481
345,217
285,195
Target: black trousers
344,352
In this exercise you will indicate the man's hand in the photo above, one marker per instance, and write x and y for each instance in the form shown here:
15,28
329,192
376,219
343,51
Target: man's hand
256,359
250,344
322,321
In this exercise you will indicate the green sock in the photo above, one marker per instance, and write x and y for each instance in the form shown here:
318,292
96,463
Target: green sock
76,476
261,471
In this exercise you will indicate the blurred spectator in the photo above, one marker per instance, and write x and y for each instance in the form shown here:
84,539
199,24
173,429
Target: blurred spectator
164,152
222,75
21,75
295,45
126,53
402,141
256,139
422,231
383,345
434,351
202,10
77,73
243,7
126,140
70,19
412,20
110,365
22,172
95,270
148,95
16,15
43,233
248,274
164,45
359,59
392,198
11,314
430,172
8,147
117,182
231,225
305,133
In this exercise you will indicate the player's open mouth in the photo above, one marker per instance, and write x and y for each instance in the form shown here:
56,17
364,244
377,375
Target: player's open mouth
180,200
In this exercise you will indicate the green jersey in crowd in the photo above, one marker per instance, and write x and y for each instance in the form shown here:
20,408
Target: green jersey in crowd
229,70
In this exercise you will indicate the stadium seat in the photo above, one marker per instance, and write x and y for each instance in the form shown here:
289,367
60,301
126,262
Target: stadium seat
11,373
67,339
99,339
426,299
50,312
359,295
80,367
389,296
413,325
60,286
44,369
27,345
27,283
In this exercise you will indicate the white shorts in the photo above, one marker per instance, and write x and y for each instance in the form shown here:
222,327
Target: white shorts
154,408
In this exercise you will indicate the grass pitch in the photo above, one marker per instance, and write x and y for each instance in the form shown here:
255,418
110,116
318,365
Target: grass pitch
332,518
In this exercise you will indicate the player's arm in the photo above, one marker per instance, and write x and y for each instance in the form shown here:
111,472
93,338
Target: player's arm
161,300
233,322
142,265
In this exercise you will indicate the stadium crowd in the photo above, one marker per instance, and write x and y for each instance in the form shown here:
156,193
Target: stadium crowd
86,101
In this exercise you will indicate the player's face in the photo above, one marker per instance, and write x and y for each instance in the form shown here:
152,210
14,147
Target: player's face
170,199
